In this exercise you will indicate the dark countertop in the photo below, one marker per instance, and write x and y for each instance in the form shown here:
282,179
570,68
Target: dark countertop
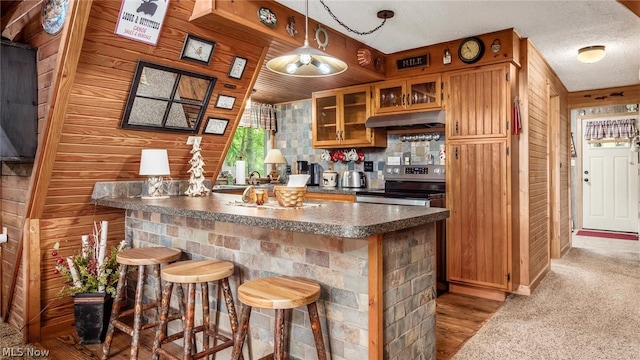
351,220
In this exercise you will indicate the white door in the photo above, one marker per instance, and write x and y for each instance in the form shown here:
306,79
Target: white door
610,187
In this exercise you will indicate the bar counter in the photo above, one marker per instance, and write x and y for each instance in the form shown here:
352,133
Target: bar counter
375,264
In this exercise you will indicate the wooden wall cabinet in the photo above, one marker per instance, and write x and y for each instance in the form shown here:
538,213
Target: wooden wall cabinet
478,102
407,95
338,118
480,251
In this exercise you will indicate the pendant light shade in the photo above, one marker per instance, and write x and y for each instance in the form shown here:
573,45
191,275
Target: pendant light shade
306,61
591,54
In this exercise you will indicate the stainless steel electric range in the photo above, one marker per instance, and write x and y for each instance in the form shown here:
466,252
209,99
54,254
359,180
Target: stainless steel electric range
416,185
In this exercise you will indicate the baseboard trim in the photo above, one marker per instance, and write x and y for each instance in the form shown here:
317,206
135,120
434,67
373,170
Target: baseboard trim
478,292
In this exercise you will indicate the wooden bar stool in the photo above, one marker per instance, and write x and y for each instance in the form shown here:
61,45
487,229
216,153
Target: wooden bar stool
139,257
192,272
279,293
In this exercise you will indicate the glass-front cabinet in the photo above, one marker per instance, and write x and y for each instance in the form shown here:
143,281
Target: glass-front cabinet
420,93
339,117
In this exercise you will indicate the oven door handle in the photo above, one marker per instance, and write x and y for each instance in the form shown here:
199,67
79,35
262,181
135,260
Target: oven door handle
392,201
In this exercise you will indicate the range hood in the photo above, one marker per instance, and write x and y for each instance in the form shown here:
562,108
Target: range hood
425,119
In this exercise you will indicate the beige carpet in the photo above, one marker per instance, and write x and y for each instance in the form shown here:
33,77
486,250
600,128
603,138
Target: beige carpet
11,345
587,307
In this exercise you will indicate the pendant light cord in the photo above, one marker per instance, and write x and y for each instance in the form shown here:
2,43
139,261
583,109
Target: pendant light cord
345,26
306,22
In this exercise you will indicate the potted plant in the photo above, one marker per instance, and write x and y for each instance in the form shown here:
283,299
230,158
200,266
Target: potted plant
91,277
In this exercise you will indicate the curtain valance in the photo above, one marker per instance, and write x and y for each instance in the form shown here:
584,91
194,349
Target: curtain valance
602,129
262,116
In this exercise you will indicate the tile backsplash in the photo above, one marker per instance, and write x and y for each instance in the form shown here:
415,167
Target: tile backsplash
294,140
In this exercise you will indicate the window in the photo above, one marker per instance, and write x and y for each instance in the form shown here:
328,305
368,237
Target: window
250,144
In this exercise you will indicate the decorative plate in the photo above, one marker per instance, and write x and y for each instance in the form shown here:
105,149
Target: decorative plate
54,13
267,17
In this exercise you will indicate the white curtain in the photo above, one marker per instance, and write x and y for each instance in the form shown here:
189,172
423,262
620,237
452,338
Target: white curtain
262,116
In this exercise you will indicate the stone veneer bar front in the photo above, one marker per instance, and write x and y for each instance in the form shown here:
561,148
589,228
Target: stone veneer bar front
375,264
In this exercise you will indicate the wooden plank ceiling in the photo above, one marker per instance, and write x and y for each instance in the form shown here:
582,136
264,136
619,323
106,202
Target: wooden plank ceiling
272,88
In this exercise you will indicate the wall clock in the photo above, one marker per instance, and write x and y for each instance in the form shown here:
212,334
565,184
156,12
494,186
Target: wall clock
471,50
197,49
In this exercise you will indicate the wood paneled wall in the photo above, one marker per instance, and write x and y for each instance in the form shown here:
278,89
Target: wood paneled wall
16,177
540,210
88,144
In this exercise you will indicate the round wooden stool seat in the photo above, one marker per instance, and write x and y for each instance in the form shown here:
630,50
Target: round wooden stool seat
148,256
197,271
283,292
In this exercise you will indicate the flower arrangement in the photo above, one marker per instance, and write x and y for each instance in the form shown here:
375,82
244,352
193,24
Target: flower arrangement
93,270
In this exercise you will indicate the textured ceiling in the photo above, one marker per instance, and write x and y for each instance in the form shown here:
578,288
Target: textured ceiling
556,28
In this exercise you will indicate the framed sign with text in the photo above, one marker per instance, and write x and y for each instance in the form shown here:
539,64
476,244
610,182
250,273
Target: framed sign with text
141,20
216,126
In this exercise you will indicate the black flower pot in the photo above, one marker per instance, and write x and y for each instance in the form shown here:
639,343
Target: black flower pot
92,312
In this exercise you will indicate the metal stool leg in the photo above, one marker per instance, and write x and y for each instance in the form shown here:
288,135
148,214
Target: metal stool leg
115,310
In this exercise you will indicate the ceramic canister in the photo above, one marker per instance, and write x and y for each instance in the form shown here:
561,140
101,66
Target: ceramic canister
329,178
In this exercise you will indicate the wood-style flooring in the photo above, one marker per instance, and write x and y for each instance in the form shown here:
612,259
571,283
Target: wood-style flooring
458,318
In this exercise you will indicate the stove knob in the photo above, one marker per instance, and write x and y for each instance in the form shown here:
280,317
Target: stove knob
389,170
436,171
396,171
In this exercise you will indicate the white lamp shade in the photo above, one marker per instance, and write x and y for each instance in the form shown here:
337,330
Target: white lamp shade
591,54
154,162
274,156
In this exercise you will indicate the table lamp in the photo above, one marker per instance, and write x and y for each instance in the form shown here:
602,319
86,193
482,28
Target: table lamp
274,156
154,163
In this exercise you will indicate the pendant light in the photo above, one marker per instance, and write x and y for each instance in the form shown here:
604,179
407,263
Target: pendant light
306,61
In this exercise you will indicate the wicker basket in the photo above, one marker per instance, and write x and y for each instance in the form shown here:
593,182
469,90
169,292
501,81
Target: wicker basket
289,196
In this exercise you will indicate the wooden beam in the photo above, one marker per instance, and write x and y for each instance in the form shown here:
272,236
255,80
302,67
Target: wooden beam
19,17
31,280
376,305
604,97
633,5
234,14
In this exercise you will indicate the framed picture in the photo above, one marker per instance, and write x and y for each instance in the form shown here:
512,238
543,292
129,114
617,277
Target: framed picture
237,67
225,102
216,126
197,49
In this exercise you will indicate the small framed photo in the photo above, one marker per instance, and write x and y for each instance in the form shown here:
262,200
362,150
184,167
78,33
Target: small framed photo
237,67
225,102
197,49
216,126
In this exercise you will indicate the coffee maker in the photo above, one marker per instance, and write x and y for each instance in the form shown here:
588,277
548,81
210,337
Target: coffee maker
302,167
316,174
313,169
